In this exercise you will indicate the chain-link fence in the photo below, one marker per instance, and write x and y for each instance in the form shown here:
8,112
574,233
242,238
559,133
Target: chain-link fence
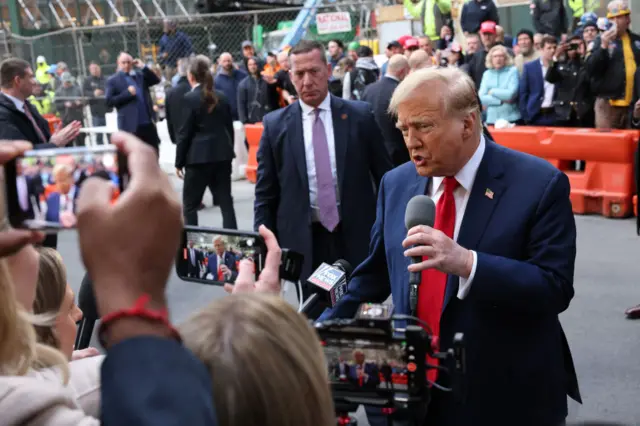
210,35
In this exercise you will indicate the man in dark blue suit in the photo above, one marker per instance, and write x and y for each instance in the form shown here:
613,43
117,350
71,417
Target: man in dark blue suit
501,278
320,162
128,92
222,264
194,260
536,93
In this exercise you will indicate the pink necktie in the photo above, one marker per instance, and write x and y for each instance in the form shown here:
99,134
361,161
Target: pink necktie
327,201
27,112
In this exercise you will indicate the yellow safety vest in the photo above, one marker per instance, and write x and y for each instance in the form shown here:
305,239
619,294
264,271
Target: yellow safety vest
578,7
429,24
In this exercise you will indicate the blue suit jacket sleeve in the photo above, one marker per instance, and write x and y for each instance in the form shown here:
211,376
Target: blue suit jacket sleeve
267,193
543,283
370,281
115,98
156,382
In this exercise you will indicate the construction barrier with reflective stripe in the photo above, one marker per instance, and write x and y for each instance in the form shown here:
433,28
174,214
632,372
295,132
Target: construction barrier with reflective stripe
606,186
253,133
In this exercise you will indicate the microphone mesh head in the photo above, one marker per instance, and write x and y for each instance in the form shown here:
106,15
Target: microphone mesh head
345,266
420,211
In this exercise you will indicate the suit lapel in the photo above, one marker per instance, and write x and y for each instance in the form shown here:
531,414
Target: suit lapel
340,136
295,137
483,200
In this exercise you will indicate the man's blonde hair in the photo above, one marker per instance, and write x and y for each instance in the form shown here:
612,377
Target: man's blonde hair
457,92
266,362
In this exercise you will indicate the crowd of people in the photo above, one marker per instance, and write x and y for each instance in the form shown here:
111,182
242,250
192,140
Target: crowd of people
345,145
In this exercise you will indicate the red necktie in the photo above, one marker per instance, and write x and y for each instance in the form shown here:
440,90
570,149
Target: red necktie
27,112
434,282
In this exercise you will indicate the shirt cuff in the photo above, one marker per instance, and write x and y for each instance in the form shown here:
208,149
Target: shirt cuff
465,283
635,122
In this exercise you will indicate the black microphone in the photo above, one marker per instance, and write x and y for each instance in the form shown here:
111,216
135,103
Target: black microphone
421,210
328,284
87,304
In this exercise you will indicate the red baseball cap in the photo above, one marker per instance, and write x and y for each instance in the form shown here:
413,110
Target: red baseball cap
488,27
411,42
404,38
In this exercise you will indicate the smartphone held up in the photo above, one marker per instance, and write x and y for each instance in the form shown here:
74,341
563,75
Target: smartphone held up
42,186
212,256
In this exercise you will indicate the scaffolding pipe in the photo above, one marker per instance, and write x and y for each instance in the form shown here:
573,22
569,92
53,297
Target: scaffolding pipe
183,9
66,13
29,14
159,9
140,10
94,11
55,15
114,9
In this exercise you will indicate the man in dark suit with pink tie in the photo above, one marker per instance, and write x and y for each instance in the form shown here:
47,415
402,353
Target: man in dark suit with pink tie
497,265
320,162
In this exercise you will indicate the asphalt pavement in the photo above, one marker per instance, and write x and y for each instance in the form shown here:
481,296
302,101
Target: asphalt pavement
605,346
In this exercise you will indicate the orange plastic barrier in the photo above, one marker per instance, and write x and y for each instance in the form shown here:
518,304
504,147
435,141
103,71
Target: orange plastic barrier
635,205
54,122
606,185
253,133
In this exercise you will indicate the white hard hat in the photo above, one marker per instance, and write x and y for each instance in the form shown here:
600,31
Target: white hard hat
41,60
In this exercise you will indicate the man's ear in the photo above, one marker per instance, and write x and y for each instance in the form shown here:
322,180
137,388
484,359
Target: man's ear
469,124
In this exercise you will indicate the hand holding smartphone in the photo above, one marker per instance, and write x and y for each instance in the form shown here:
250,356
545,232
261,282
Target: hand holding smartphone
212,256
42,186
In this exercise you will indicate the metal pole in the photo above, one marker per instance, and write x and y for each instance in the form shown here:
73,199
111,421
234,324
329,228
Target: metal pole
83,62
114,9
138,39
94,10
159,9
54,12
140,10
66,13
29,14
32,52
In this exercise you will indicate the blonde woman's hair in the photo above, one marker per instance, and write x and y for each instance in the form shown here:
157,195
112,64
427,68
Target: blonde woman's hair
19,348
50,292
265,360
508,60
455,88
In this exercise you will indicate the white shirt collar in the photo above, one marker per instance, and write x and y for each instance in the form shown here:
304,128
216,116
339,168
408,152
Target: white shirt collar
392,77
17,102
195,86
467,174
325,105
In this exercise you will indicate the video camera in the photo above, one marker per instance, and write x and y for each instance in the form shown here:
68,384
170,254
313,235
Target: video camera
373,363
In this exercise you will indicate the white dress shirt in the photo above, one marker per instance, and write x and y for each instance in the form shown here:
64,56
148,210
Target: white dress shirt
465,177
23,192
308,118
192,253
549,88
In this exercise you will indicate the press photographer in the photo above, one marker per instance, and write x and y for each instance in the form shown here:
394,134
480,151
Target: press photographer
497,265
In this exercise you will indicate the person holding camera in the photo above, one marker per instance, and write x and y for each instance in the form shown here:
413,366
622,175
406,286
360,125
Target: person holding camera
611,66
573,100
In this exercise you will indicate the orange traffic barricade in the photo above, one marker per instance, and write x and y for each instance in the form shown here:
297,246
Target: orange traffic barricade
606,185
635,205
54,122
253,133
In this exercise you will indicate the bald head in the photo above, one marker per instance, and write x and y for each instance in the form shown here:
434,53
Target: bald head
125,62
398,67
283,60
226,62
419,60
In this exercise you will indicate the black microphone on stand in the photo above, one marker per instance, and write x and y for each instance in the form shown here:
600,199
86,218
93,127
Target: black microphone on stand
421,210
86,303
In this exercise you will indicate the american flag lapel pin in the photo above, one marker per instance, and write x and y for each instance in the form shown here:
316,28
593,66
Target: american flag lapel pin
344,116
488,193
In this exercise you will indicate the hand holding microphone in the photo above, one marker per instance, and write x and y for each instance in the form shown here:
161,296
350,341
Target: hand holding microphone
442,253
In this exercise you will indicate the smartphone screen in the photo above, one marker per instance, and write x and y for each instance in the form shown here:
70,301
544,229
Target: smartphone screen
43,185
366,365
212,256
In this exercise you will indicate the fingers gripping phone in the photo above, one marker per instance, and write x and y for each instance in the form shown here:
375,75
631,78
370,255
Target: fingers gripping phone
212,256
42,186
